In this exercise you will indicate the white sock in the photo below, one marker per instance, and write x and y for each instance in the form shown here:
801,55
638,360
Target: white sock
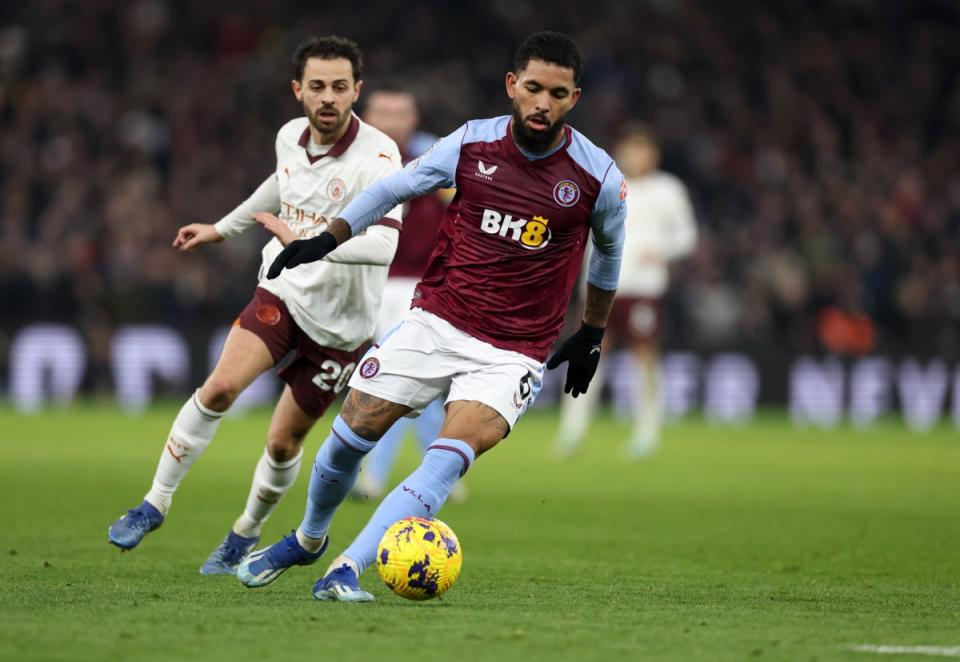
648,411
310,544
341,561
271,480
575,415
192,431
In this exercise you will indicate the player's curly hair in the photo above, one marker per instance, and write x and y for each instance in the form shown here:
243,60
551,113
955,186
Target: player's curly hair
328,48
553,47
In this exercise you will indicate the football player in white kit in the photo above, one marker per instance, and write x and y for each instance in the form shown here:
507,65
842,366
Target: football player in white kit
323,314
660,229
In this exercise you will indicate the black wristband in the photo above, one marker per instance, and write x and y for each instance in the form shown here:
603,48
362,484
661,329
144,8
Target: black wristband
592,333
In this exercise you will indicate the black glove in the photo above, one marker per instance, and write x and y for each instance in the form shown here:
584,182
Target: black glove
302,251
582,350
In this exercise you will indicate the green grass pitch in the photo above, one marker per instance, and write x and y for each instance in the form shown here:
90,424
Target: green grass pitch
762,542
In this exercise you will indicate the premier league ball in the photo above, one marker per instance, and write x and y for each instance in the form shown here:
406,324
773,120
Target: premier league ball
419,558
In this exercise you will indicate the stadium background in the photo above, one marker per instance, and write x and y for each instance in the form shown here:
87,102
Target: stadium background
820,142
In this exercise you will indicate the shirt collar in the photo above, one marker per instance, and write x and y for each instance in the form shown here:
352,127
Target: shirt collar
338,148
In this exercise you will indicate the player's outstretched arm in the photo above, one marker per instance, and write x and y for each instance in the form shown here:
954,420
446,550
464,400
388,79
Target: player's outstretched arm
276,227
375,247
195,235
582,349
265,199
368,207
303,251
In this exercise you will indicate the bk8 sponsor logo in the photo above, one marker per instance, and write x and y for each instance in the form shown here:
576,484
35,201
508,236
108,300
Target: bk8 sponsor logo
532,234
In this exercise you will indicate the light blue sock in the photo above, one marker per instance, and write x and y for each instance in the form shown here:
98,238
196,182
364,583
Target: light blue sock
428,424
421,494
334,472
384,455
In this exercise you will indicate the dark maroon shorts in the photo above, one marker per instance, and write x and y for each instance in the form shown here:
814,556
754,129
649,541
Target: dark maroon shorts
636,319
316,374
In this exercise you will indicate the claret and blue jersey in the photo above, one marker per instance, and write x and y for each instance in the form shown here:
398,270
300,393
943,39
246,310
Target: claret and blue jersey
512,240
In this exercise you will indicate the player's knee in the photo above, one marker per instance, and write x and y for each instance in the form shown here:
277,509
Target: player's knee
360,420
365,428
283,447
219,394
476,424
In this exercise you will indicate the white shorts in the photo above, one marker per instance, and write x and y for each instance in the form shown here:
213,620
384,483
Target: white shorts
425,358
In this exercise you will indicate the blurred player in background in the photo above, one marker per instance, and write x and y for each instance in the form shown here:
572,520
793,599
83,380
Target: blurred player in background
323,314
660,228
531,192
393,110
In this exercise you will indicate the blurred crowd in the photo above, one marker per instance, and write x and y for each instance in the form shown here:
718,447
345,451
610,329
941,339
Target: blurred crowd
820,141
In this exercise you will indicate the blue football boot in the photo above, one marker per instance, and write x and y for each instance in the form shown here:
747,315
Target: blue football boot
341,585
265,565
228,555
127,532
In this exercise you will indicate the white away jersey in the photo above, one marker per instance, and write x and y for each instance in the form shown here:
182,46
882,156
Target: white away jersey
335,304
660,228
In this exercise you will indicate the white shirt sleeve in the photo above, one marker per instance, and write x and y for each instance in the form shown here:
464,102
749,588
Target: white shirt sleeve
265,198
376,246
682,237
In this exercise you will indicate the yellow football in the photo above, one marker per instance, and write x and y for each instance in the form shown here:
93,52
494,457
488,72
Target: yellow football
419,558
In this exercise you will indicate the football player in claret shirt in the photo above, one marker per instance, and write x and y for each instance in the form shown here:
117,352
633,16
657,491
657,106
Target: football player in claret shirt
323,314
531,191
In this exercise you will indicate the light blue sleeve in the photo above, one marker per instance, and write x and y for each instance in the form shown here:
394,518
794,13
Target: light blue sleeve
434,169
608,230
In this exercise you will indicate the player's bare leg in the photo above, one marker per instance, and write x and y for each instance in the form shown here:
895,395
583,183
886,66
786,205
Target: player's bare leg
335,471
275,474
648,406
244,357
475,423
369,416
470,428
